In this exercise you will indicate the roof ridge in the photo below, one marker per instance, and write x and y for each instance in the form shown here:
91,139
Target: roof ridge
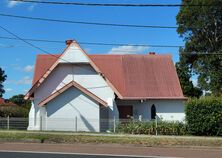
47,54
149,55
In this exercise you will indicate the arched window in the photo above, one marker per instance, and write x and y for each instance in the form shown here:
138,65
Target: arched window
153,112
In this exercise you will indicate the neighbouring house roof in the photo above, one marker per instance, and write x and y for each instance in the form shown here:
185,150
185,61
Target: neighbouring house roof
66,87
2,101
6,102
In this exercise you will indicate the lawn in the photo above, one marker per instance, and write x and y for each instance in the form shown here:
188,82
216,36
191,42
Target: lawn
97,138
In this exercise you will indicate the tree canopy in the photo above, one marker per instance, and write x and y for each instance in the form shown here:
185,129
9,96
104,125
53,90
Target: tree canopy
19,100
201,29
2,79
184,74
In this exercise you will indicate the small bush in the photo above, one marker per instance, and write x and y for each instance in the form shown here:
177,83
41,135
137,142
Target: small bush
149,128
13,111
204,116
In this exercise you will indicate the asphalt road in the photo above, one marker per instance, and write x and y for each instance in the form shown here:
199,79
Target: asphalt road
33,150
55,155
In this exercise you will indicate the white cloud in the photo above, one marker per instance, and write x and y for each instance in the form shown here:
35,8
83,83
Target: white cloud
3,67
24,80
127,49
8,89
6,46
12,4
31,7
16,67
28,68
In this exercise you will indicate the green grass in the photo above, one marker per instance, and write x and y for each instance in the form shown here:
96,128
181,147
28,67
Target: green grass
143,140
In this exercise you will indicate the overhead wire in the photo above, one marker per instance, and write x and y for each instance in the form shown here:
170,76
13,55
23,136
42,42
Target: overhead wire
88,23
111,4
30,44
94,43
34,46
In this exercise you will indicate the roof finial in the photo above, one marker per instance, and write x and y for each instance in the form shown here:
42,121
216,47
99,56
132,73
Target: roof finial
152,53
68,42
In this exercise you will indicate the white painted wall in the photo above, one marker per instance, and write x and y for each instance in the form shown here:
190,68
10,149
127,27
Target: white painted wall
73,66
83,74
63,111
168,110
32,117
73,54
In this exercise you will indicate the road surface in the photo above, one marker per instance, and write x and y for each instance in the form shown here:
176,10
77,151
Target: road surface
38,150
14,154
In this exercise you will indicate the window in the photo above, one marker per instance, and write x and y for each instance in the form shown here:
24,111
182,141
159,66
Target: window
153,112
125,111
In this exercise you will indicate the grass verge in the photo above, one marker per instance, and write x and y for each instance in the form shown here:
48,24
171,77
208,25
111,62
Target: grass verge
143,140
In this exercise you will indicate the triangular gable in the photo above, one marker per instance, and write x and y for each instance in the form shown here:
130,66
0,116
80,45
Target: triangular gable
73,54
64,58
79,87
71,49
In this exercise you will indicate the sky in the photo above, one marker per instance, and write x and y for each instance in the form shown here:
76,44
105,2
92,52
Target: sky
17,58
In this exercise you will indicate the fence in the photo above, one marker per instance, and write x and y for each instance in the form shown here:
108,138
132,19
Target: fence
13,123
68,124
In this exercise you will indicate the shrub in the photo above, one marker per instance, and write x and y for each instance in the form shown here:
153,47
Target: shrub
13,111
204,116
149,128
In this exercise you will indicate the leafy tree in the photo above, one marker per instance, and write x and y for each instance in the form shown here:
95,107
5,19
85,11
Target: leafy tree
2,79
19,100
184,74
201,28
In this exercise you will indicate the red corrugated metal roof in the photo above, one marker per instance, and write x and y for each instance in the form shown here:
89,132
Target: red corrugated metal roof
141,76
43,63
133,76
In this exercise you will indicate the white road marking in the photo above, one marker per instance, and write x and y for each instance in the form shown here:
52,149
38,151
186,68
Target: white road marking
85,154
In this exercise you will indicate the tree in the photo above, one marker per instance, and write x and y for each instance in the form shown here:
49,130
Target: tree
184,74
201,28
2,79
20,101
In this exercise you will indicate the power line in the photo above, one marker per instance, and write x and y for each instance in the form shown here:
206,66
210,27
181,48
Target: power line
34,46
88,23
30,44
115,44
111,4
95,43
122,50
33,40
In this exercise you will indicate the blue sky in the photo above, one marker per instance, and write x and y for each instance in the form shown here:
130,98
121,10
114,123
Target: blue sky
18,59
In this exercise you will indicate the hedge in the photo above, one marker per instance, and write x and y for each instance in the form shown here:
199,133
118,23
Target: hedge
149,128
13,111
204,116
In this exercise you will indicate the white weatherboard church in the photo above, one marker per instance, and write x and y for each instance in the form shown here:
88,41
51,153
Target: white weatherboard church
75,91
